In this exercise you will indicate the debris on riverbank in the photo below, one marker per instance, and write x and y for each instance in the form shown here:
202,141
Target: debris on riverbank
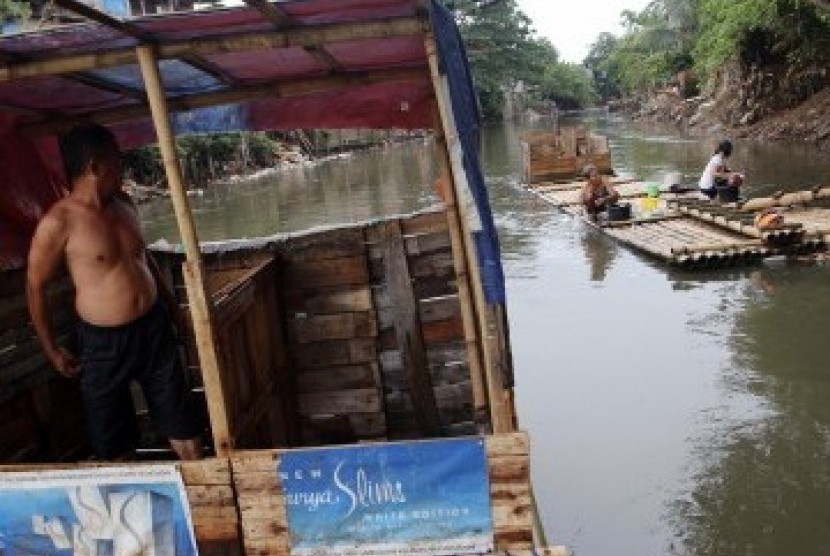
773,104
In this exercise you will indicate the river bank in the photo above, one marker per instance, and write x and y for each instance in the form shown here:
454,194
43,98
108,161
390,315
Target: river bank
290,156
763,105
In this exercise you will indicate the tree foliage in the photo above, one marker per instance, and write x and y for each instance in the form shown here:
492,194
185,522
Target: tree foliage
204,157
504,51
13,9
669,36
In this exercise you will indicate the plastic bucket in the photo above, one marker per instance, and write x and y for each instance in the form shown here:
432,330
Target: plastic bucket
652,189
727,194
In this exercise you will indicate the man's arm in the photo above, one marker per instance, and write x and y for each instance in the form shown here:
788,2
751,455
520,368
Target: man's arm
45,254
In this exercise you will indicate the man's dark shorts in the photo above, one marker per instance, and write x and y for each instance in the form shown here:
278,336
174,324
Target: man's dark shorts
145,351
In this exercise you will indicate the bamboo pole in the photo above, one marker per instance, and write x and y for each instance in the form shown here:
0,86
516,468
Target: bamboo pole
200,306
468,317
303,37
501,415
786,199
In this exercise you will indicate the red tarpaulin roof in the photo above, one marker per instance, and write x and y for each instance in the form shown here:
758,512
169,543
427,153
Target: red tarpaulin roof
303,64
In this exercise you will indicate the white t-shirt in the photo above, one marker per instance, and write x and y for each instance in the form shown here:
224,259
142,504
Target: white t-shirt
716,163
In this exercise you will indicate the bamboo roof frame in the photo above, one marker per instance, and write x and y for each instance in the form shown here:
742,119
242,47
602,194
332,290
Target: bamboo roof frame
309,36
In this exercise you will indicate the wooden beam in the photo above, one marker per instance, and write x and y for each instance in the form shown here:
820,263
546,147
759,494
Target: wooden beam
408,332
302,37
84,78
105,19
275,89
106,85
200,305
271,12
281,20
323,57
209,68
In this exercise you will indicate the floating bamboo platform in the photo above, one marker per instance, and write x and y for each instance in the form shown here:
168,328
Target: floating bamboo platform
694,233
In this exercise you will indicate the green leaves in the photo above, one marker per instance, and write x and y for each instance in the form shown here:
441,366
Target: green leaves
673,35
504,51
13,9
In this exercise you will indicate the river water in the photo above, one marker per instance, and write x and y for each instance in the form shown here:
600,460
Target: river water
669,413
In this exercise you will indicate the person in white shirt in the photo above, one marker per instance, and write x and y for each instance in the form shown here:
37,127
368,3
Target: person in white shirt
717,174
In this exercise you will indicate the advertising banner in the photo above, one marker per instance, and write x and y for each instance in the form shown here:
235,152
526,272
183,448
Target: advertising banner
95,512
415,499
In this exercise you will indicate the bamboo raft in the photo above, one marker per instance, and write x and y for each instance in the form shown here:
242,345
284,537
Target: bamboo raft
694,233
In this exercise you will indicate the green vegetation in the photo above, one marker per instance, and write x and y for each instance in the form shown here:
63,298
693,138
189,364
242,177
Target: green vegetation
671,36
505,52
205,157
13,9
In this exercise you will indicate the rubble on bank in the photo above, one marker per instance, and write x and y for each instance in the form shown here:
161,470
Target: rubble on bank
773,104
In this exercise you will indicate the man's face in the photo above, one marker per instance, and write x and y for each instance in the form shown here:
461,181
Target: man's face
108,170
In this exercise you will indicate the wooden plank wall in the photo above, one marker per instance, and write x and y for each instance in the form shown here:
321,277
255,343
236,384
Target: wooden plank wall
264,519
549,157
347,299
332,336
423,244
249,335
40,418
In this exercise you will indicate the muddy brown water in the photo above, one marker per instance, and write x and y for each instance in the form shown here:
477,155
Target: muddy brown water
670,413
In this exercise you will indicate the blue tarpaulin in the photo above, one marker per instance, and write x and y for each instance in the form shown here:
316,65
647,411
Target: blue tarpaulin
454,65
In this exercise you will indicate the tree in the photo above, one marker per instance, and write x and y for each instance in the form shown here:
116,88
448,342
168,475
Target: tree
11,10
501,48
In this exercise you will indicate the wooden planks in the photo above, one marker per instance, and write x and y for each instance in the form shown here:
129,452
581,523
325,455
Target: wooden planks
213,506
406,322
547,156
332,336
262,503
425,266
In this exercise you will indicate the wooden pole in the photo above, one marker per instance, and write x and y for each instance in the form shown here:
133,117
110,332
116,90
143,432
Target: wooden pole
200,306
500,413
468,317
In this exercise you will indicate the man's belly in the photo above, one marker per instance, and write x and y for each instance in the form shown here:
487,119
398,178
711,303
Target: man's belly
115,300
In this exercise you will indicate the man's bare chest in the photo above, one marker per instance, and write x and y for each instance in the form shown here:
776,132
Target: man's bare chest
105,237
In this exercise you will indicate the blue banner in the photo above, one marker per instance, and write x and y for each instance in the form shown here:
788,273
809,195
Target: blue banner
419,498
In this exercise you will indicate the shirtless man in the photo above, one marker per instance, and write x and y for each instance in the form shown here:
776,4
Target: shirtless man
597,194
124,330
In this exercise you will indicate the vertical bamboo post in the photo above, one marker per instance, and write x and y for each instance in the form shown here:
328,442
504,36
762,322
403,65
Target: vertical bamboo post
200,309
501,415
468,317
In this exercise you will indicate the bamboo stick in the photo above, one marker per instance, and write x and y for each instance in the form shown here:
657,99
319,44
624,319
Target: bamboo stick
308,36
200,306
786,199
699,248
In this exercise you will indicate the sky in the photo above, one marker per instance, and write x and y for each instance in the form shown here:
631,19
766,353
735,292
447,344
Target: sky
573,25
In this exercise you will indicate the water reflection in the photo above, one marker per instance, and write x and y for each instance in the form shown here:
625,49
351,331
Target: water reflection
763,487
345,189
600,254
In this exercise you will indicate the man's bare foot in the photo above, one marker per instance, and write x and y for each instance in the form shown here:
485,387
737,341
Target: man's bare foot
189,449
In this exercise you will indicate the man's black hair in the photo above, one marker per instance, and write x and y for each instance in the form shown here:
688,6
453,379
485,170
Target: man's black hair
83,144
725,148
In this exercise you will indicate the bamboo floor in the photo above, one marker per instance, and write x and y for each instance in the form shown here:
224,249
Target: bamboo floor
690,232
